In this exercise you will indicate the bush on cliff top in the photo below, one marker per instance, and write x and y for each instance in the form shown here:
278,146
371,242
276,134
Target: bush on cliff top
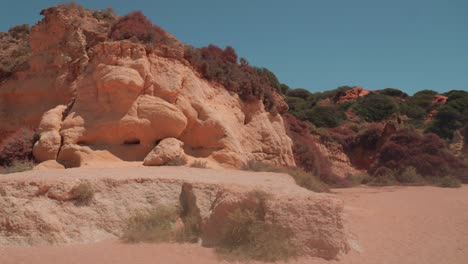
375,107
216,64
307,154
137,27
452,116
325,116
17,147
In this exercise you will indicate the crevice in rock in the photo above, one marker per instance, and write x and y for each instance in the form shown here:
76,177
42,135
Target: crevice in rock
65,113
134,141
190,213
67,110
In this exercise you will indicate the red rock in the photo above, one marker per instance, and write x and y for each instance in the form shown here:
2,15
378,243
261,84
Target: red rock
353,94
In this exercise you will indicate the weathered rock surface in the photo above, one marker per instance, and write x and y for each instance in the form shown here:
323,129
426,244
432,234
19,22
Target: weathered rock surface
341,164
123,100
49,143
36,207
58,44
49,165
167,150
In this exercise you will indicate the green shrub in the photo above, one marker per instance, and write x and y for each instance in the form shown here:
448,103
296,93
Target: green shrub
82,194
448,182
297,106
409,175
413,111
307,180
156,225
355,128
270,76
393,92
325,116
375,107
358,179
299,93
199,164
382,177
423,99
452,116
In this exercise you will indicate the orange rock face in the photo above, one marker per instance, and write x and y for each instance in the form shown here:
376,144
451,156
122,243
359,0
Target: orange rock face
121,101
438,101
353,94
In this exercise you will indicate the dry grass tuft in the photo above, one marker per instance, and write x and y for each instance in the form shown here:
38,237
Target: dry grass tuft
82,194
303,178
307,180
159,225
448,182
17,166
357,179
177,162
246,236
151,226
410,176
199,164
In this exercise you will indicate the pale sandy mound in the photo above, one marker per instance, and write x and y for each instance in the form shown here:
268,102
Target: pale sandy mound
391,225
39,207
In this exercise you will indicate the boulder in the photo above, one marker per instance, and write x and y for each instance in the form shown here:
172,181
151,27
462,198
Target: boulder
169,149
49,143
72,156
47,147
49,165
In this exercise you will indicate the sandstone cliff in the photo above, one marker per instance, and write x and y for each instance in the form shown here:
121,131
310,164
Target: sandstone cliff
94,99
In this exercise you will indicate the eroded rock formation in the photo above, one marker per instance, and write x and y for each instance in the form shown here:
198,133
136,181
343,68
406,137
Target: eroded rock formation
37,207
122,99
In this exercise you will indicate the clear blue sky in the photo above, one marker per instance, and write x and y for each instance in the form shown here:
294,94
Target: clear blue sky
315,44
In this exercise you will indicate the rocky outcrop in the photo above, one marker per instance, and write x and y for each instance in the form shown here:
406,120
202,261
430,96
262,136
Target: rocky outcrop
37,208
122,99
352,94
169,149
340,163
49,143
127,116
438,101
59,54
